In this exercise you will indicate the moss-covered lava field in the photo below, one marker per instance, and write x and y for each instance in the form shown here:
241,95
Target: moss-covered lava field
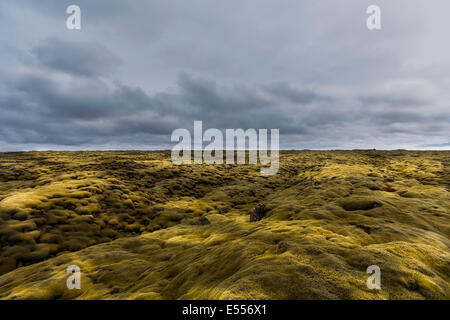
140,227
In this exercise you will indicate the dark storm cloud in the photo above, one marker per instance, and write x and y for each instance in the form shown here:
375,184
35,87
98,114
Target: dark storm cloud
298,96
138,70
107,113
83,59
57,114
103,111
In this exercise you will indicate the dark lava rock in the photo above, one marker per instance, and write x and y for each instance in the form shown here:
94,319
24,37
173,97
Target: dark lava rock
388,189
353,205
282,247
203,221
223,210
258,213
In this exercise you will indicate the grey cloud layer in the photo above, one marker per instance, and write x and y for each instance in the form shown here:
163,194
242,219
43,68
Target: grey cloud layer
84,59
138,70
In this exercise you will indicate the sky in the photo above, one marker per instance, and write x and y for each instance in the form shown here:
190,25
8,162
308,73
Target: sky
137,70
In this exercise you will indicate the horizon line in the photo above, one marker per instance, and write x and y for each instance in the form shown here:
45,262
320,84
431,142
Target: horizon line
169,150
